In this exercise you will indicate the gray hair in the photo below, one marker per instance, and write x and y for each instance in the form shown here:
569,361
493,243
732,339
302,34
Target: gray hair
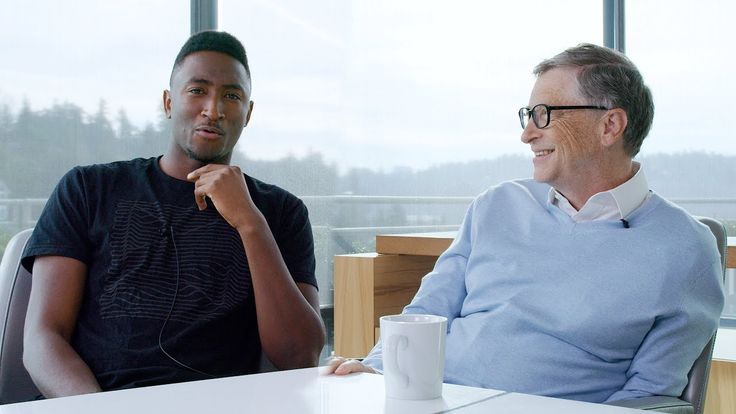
610,79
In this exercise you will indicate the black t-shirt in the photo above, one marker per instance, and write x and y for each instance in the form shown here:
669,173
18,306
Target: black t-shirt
154,258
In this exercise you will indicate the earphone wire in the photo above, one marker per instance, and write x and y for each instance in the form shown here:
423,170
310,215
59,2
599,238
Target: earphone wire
171,310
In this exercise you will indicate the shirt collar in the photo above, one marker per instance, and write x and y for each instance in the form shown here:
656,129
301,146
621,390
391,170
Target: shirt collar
616,203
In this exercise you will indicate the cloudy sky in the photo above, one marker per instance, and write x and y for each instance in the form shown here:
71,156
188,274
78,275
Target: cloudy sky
374,83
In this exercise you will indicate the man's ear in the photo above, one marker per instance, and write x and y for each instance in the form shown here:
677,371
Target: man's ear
251,104
614,124
167,103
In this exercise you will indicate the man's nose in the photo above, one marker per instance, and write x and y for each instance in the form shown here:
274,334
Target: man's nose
213,109
530,132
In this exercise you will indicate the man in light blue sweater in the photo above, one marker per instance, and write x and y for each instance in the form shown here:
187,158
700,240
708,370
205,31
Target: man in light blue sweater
581,283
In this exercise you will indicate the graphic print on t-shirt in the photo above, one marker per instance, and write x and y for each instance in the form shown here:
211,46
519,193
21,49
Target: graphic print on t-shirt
150,242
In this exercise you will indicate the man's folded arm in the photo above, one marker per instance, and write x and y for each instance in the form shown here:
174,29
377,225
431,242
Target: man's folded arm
289,322
661,364
56,296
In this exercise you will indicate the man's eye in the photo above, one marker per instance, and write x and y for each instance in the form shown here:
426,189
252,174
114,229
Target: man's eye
233,96
196,91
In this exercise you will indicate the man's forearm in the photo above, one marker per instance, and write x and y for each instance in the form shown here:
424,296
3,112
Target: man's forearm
291,329
56,368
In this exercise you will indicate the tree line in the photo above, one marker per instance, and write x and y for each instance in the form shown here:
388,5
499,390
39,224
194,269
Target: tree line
38,147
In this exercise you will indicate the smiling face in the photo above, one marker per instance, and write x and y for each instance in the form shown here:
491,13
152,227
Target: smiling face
568,152
209,104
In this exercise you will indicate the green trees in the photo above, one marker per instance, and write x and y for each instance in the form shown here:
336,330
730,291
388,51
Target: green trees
38,147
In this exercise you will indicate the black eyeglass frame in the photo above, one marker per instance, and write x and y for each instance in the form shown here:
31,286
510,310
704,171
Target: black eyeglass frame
526,113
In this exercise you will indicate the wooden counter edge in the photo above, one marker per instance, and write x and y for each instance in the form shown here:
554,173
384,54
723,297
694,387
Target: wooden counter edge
414,244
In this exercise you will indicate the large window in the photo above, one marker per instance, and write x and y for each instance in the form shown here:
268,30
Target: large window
383,115
82,83
682,51
393,98
388,85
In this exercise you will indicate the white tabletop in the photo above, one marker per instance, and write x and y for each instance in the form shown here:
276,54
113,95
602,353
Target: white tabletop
299,391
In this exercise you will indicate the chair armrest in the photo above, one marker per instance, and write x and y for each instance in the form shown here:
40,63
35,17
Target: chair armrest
662,404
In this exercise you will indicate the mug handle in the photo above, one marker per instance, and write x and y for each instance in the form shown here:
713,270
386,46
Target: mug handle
396,343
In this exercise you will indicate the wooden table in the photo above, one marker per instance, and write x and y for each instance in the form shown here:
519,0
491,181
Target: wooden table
433,244
300,391
370,285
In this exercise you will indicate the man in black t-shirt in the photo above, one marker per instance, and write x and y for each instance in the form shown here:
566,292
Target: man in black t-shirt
173,268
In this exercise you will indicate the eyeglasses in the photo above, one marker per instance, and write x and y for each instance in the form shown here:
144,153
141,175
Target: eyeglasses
540,113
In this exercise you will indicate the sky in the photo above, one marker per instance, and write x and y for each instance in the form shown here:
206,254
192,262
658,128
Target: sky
374,83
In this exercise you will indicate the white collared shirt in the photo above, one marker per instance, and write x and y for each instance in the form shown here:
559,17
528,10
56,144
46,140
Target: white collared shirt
616,203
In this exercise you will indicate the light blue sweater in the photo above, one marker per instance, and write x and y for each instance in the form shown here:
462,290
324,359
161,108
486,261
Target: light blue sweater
539,304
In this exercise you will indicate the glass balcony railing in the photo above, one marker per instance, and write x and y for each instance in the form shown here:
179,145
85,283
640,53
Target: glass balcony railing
344,224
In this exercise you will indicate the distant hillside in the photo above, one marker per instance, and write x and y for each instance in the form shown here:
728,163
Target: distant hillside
38,147
683,175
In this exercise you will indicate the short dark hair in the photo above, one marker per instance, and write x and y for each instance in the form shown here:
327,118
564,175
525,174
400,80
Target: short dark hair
214,41
610,79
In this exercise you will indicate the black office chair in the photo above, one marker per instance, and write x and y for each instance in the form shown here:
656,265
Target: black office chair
692,399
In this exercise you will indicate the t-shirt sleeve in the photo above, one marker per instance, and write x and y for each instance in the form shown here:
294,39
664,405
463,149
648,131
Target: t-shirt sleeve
296,242
62,229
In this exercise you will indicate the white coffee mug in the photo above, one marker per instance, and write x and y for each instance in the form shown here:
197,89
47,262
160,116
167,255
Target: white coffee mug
413,355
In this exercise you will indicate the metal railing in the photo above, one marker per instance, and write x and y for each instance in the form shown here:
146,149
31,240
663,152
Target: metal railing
17,214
